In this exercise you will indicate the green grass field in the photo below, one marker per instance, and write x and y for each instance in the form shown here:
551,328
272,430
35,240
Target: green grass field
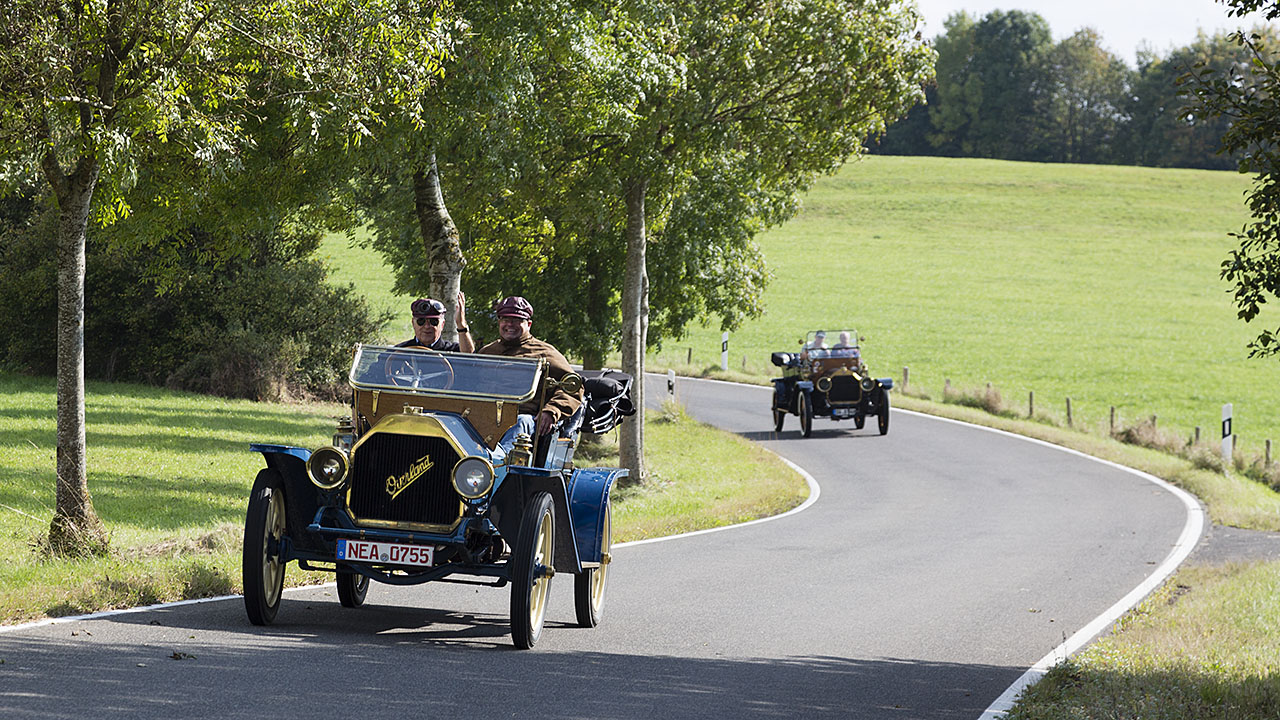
1095,283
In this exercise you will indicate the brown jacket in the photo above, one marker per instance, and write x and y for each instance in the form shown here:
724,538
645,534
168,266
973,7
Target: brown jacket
561,404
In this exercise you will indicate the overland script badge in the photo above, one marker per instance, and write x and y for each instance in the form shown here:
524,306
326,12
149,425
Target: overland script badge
397,485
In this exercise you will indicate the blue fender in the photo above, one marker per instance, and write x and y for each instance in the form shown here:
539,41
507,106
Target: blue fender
588,496
301,497
886,383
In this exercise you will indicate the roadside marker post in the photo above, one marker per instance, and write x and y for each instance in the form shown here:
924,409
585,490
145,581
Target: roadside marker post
671,384
724,351
1226,435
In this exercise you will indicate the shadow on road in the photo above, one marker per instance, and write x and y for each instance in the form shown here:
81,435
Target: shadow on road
404,662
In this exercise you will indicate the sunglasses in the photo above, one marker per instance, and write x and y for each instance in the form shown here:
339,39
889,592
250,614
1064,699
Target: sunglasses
424,320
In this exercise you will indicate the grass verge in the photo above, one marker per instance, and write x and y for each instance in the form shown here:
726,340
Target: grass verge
1204,647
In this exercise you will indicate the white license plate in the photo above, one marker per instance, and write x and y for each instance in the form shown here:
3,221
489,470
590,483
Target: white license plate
385,552
844,412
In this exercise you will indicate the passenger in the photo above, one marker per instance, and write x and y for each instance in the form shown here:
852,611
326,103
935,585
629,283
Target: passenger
844,341
515,318
819,343
427,316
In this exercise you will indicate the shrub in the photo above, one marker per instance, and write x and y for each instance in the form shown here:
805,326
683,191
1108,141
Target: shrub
263,324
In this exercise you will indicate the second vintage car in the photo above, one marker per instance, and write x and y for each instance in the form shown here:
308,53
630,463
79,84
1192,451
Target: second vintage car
412,490
827,378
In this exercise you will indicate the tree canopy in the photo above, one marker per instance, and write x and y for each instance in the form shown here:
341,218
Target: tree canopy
1246,94
98,92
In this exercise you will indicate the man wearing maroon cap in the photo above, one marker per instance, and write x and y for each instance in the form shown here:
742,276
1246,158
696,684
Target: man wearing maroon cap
428,314
515,317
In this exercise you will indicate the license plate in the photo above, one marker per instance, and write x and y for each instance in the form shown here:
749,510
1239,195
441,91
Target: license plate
843,412
385,552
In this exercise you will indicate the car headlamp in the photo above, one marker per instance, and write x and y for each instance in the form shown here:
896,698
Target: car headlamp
868,384
327,467
824,384
473,477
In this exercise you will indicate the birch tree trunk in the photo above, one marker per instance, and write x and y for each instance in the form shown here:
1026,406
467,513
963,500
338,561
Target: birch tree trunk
441,242
76,528
635,329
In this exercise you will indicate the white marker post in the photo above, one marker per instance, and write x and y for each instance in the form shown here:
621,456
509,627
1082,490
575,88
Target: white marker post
1226,436
724,351
671,384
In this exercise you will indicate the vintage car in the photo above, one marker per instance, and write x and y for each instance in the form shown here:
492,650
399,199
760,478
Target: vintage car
828,380
410,491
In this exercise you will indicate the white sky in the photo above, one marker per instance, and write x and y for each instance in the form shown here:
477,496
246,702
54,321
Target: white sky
1123,24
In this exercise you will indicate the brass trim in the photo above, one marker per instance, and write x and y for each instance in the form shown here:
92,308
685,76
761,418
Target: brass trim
499,406
420,426
376,393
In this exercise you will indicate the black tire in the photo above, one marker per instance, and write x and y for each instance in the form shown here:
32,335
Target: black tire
531,571
778,417
262,571
859,421
805,410
589,585
352,589
883,416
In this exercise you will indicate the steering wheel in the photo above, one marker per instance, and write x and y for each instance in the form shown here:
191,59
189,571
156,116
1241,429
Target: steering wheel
420,369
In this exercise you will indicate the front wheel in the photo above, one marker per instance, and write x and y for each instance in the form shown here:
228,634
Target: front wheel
531,571
352,589
778,417
884,412
261,566
805,410
859,421
588,586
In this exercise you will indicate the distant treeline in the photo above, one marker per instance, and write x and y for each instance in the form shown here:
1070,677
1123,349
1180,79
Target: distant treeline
1005,90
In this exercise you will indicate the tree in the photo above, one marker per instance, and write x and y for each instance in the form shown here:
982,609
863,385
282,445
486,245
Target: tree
778,92
95,89
991,85
1085,100
1249,97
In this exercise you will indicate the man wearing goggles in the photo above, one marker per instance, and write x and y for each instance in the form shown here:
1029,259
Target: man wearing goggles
428,315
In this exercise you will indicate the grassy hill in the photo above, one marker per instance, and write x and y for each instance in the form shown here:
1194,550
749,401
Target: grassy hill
1096,283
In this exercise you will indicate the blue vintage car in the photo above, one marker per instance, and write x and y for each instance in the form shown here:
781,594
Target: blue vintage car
411,490
828,378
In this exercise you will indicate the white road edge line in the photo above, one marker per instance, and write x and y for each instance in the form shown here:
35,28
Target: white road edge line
1185,543
1182,548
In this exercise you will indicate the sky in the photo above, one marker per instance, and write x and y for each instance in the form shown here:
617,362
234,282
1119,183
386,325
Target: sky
1123,24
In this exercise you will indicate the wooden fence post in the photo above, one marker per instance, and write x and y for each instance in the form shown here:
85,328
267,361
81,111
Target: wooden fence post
1031,403
688,360
1197,435
1267,462
1069,424
905,377
1113,419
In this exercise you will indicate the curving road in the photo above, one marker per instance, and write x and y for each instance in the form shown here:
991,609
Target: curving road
938,564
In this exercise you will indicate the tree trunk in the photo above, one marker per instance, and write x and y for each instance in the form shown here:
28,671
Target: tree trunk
635,329
76,528
441,243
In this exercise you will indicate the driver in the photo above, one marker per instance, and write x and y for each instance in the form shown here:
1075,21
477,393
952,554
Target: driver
427,316
515,317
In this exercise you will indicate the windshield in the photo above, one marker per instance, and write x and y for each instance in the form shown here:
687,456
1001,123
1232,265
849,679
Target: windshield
831,343
429,372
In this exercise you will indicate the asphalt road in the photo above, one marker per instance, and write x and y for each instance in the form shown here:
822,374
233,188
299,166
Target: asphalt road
937,565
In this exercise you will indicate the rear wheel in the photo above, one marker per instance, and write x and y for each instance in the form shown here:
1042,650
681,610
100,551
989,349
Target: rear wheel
261,567
805,410
588,586
531,571
352,589
884,412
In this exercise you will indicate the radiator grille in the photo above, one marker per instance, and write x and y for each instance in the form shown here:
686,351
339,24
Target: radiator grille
389,459
844,389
